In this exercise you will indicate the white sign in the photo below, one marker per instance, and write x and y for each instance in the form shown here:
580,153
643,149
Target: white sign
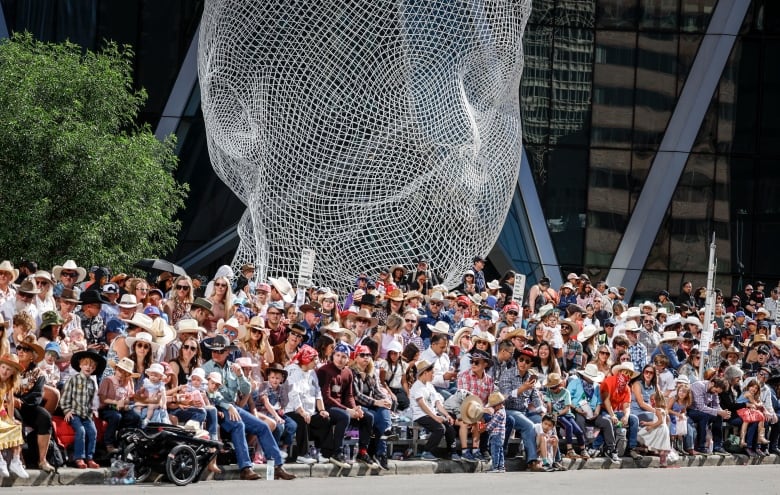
300,298
706,337
306,269
518,291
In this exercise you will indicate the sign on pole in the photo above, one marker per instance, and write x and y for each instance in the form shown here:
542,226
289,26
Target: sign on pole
518,291
306,269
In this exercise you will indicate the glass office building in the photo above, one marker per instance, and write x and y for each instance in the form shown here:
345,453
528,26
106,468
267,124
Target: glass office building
648,126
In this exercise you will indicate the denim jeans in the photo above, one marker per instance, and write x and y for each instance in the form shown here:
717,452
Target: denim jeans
83,427
258,428
525,426
496,443
381,419
238,437
117,420
285,432
701,420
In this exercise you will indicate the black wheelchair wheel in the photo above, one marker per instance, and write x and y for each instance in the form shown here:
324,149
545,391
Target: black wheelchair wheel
181,466
142,473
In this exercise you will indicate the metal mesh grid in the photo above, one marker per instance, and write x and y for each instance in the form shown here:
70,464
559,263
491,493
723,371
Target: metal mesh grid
373,132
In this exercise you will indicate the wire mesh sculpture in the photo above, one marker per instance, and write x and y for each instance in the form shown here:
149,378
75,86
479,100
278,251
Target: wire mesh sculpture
372,131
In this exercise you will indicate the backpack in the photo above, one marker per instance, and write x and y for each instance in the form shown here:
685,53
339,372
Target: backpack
56,455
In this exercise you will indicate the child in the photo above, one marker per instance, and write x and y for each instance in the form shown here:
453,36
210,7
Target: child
195,388
10,431
547,443
49,367
655,434
558,400
75,341
496,429
676,409
426,402
273,400
154,389
753,412
77,404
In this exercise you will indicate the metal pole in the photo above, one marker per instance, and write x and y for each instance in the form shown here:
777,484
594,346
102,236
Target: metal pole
707,332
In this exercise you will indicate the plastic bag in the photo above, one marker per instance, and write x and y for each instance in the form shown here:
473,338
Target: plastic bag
681,425
121,473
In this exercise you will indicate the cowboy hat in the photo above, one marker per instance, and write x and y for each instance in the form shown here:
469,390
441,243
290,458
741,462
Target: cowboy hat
28,287
471,409
436,297
30,342
460,333
670,336
276,368
45,276
329,294
495,398
125,364
484,336
570,323
297,329
142,337
69,295
284,287
398,267
365,315
219,343
92,297
494,285
216,377
246,362
140,320
413,294
7,266
630,326
440,327
312,306
633,312
394,346
128,301
516,332
545,310
553,380
202,303
724,354
369,300
256,322
422,366
692,320
333,327
233,323
349,336
480,354
592,373
759,339
100,361
69,265
627,366
587,332
395,295
162,333
189,325
11,360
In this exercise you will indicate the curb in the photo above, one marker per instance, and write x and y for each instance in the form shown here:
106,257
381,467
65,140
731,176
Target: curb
72,476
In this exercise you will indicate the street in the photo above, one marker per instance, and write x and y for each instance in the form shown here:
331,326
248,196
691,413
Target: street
705,480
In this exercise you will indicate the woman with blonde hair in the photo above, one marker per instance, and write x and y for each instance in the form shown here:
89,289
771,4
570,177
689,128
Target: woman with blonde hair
221,303
181,298
254,344
140,288
11,437
603,360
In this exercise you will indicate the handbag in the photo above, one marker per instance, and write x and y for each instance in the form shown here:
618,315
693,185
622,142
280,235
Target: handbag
750,415
682,425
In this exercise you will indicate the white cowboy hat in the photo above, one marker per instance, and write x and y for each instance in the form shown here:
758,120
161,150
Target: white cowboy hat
125,364
162,333
483,335
626,365
673,320
633,312
692,320
142,337
545,310
436,297
493,285
587,332
189,325
460,333
7,266
69,265
670,336
284,287
440,327
630,326
140,320
592,372
128,301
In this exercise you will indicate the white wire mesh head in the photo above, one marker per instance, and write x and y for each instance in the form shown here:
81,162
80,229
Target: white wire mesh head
373,132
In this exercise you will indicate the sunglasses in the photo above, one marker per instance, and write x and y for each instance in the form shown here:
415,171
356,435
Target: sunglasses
189,348
143,346
606,353
462,306
69,274
256,330
525,360
41,283
219,351
23,349
513,313
185,288
410,321
141,290
437,303
365,354
220,284
477,362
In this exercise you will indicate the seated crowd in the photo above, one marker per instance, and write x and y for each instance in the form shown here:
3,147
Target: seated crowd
574,373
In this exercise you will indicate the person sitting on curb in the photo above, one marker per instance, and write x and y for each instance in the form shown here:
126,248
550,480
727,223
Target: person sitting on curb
425,404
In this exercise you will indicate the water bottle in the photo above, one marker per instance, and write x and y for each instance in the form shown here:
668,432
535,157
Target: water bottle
269,469
586,409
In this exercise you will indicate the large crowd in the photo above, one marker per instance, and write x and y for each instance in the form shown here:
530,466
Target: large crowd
570,373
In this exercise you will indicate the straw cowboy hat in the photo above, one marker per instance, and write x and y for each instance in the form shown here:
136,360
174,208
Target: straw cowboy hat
553,380
673,320
140,320
592,372
587,332
484,336
29,341
189,325
256,322
495,398
422,366
724,354
759,339
460,333
633,312
128,301
8,267
517,332
69,265
398,267
125,364
28,287
670,336
413,294
626,365
11,360
471,410
332,327
162,333
440,327
630,326
284,287
365,315
395,295
570,323
43,274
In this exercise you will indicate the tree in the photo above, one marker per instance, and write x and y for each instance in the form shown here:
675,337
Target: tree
80,179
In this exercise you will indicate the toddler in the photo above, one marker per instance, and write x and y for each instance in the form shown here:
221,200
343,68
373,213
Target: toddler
496,429
547,443
76,341
154,389
753,412
77,404
49,367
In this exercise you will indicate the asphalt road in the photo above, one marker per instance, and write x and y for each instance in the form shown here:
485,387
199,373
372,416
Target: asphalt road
727,480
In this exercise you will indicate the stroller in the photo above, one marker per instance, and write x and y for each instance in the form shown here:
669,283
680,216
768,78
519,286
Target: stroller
170,450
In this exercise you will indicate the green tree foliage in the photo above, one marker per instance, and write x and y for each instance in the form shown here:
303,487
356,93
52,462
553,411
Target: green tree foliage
79,179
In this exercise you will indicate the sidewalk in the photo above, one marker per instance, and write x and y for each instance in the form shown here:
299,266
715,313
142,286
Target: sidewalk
72,476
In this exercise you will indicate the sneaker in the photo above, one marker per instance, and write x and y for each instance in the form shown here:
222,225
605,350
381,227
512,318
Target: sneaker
720,451
593,452
497,470
366,461
427,456
558,466
16,467
3,468
381,459
305,459
478,456
468,456
635,455
339,460
455,456
614,458
284,454
321,458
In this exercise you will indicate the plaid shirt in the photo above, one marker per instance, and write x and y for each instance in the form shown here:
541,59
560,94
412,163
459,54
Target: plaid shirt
509,383
77,396
481,387
703,400
638,353
413,339
497,423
